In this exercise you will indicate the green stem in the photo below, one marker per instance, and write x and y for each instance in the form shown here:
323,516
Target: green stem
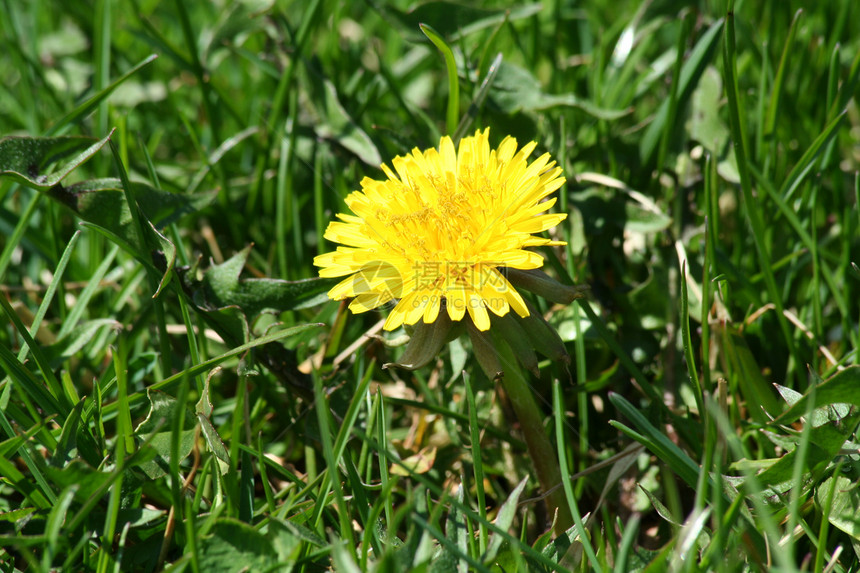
540,448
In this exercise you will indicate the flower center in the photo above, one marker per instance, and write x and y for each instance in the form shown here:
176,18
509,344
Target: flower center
438,225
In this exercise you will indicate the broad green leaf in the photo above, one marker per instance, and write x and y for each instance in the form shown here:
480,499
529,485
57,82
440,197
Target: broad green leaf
233,546
28,160
418,463
829,413
237,21
164,256
641,220
790,396
825,443
79,475
210,434
504,520
787,443
841,388
658,506
157,428
300,532
563,323
457,533
229,322
343,559
559,549
336,124
758,393
16,514
139,517
649,302
208,365
516,89
221,287
78,337
691,73
76,441
443,562
843,510
705,124
285,542
102,202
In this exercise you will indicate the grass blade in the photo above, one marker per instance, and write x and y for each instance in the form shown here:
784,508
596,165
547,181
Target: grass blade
558,415
656,441
776,91
753,213
453,80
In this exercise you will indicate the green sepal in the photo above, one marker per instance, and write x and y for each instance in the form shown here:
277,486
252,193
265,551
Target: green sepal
543,285
542,336
485,351
426,342
511,329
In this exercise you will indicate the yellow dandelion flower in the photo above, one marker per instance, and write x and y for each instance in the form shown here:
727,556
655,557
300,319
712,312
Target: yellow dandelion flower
440,231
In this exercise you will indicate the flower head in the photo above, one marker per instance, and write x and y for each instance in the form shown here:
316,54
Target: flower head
440,231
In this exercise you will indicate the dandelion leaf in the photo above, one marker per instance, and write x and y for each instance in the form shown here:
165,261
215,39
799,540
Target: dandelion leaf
222,286
236,546
336,124
843,508
157,429
841,388
691,73
516,89
42,162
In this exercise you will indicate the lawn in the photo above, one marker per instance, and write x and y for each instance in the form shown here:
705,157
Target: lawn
677,388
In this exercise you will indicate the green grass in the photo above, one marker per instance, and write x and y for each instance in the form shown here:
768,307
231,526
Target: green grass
175,396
